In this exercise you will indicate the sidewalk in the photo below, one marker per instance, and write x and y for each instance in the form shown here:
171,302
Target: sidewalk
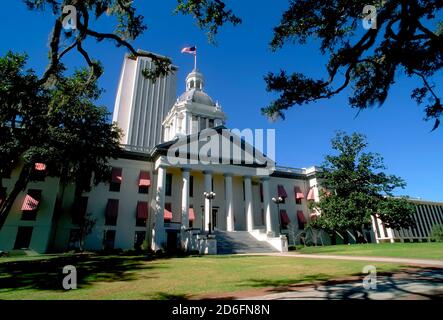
420,284
406,261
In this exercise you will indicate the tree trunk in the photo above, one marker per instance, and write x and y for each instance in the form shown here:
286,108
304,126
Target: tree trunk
56,214
19,186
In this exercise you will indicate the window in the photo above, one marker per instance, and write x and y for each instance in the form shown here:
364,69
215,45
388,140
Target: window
211,123
140,222
139,239
144,182
168,188
38,172
191,186
141,214
143,189
23,239
111,212
297,201
109,239
110,221
115,187
116,180
301,219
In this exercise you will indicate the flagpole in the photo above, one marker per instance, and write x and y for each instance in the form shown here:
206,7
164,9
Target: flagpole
195,59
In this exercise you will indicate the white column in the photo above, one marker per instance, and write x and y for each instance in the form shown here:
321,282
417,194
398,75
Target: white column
185,198
229,204
208,188
186,123
158,230
267,204
248,204
185,208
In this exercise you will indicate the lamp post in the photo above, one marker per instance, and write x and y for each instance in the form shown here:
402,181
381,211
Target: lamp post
277,201
210,196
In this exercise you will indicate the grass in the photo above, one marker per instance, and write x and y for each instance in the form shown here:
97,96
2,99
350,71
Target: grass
433,250
137,277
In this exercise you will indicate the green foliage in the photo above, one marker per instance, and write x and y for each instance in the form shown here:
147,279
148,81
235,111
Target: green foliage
23,103
360,189
365,61
437,233
209,14
129,25
60,126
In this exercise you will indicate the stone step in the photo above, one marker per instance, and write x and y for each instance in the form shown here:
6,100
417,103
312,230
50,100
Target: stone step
240,242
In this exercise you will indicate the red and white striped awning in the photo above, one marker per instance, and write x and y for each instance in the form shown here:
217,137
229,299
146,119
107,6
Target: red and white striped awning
142,210
144,179
311,194
298,193
284,217
112,208
167,212
40,166
116,175
32,200
301,216
191,214
281,191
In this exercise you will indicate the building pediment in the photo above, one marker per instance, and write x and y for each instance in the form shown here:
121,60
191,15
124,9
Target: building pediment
212,147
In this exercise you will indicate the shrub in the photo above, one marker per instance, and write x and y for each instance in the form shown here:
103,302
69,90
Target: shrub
437,233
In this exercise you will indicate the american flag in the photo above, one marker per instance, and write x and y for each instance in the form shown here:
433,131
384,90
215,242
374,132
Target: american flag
190,50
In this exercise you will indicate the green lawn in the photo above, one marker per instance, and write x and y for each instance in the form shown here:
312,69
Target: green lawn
431,250
137,277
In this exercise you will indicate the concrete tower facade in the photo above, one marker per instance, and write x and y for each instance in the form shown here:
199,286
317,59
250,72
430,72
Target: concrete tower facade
142,104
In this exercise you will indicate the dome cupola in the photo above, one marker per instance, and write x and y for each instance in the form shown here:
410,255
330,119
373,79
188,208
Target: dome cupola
195,80
194,90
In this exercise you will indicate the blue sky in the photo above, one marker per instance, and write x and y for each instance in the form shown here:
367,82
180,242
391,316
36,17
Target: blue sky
234,71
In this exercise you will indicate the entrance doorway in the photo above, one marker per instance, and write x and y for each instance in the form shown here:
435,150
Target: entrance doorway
214,218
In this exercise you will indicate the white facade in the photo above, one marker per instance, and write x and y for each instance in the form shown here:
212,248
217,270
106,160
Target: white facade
170,190
193,111
427,214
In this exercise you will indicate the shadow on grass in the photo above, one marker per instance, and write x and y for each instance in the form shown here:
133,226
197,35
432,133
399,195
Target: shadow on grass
405,282
283,285
168,296
47,274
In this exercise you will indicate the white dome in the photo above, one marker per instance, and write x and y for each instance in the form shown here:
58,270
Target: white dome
197,96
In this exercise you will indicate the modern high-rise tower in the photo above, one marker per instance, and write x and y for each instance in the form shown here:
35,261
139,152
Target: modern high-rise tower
142,104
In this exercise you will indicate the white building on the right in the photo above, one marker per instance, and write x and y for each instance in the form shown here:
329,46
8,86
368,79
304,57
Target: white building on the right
427,214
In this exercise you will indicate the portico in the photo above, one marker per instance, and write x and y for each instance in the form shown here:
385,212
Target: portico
233,205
